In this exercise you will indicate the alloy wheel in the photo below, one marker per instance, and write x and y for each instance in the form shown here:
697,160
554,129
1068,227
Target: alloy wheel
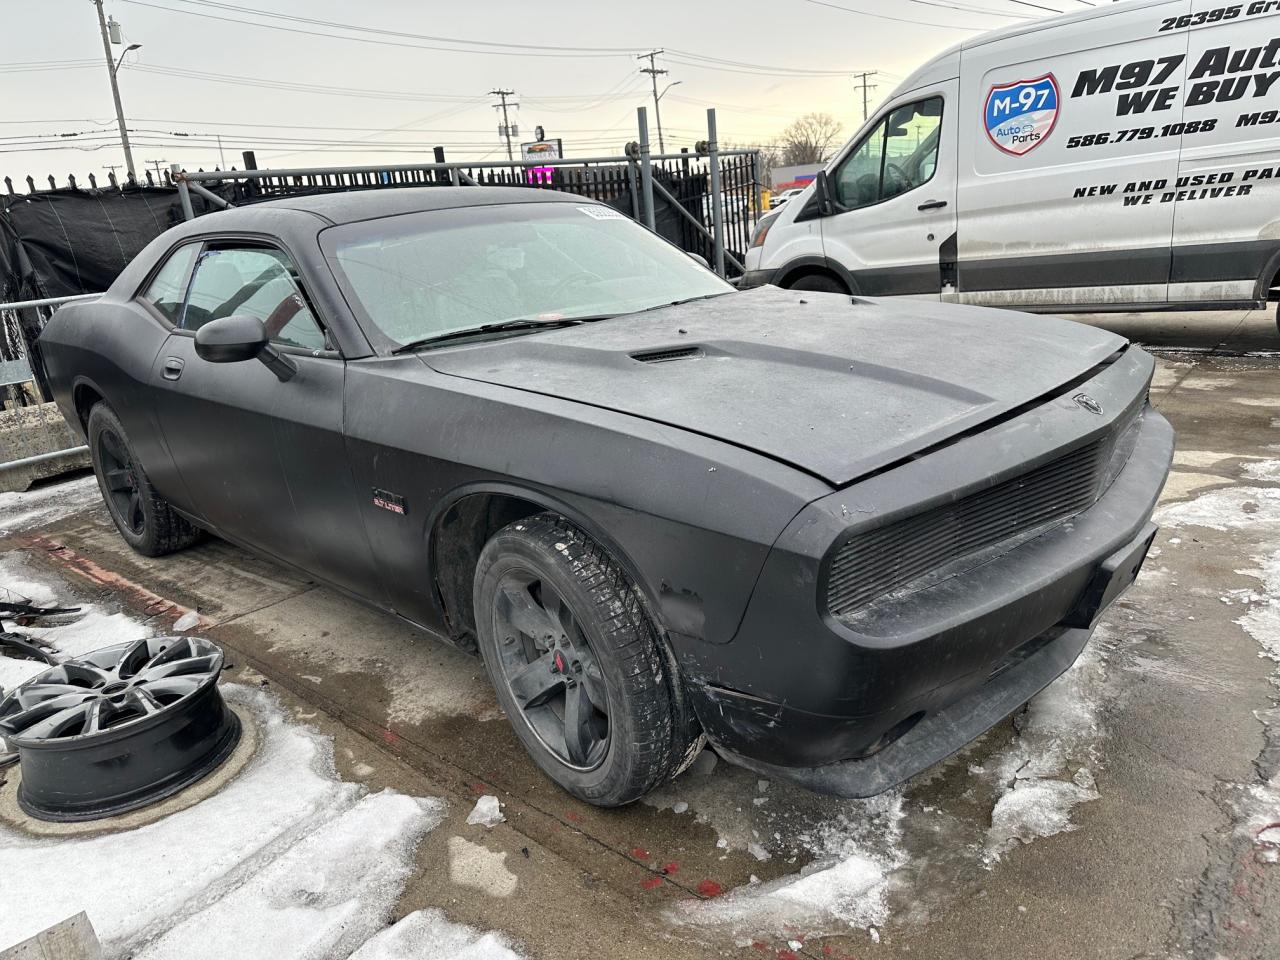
118,728
553,674
120,478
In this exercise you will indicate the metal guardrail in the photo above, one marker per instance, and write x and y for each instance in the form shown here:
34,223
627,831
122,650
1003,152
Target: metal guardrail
48,301
19,370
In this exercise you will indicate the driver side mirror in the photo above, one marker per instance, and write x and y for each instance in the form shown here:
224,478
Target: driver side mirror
241,337
231,339
822,194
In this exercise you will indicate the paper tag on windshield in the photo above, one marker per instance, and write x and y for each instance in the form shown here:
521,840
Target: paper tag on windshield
604,213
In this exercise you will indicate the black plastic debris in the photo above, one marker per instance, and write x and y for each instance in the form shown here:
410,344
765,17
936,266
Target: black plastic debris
25,648
118,728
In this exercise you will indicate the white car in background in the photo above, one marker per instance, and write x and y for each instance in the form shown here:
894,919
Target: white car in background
780,198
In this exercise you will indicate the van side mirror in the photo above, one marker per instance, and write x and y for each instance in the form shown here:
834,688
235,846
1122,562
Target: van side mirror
241,337
822,194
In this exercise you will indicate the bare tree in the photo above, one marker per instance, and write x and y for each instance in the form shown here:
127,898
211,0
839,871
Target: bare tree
809,139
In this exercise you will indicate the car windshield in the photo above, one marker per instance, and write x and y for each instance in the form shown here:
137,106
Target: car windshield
424,275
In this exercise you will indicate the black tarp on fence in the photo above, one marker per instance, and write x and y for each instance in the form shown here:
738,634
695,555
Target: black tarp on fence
57,243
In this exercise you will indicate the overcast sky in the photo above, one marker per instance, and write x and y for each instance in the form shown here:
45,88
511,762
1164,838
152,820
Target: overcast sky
301,92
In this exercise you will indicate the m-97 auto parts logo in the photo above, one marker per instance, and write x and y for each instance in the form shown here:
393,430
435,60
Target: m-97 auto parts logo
1020,116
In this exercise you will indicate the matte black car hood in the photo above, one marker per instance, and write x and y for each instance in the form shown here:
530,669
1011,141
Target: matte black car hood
833,386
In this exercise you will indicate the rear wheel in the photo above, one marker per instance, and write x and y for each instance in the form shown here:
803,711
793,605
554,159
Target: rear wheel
818,283
578,665
143,517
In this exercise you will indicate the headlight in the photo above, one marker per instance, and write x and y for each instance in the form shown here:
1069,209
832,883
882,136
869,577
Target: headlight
762,230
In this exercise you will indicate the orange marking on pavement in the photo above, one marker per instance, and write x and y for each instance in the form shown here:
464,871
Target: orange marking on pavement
154,604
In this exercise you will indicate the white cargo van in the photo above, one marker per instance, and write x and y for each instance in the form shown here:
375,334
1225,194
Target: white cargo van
1125,157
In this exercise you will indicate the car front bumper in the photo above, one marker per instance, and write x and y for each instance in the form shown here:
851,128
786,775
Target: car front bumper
854,706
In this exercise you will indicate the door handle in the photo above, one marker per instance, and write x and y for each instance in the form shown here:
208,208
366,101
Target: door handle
932,205
172,368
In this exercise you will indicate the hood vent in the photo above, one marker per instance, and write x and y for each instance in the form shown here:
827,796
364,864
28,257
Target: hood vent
668,355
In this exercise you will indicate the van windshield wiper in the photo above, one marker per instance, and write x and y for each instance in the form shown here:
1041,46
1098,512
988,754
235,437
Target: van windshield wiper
519,323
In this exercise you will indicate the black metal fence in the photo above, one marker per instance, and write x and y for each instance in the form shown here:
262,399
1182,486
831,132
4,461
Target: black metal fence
685,179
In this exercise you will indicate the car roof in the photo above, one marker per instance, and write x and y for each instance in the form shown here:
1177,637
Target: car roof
369,204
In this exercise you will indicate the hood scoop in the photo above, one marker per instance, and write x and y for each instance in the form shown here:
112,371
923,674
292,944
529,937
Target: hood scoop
668,355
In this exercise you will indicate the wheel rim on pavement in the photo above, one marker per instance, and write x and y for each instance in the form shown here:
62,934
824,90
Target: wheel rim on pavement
551,670
119,728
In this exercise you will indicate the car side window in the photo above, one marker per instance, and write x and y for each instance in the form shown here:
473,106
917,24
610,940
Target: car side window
898,156
166,288
258,281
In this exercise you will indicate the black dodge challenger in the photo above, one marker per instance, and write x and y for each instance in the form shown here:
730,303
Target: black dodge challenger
837,537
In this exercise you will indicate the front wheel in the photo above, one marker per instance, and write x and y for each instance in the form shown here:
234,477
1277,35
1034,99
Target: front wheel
143,517
578,665
818,283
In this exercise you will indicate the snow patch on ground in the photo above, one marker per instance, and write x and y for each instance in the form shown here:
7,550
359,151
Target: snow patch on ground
1234,508
1047,769
31,508
1265,470
1262,621
427,935
849,892
322,897
854,846
75,634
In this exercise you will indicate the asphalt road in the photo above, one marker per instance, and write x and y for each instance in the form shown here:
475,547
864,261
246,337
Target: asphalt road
1157,758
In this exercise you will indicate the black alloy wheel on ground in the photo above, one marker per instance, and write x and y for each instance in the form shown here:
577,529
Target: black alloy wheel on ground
578,665
143,517
119,728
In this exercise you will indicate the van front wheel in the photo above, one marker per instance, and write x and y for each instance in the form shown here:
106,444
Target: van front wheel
818,283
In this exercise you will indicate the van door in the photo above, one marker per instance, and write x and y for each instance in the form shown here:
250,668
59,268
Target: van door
893,194
1226,236
1076,130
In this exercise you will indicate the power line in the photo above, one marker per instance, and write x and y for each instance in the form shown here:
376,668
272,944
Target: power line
486,46
360,28
866,13
1035,6
372,40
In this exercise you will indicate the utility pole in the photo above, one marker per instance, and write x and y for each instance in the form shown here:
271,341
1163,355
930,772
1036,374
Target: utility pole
156,164
112,67
506,124
653,72
866,88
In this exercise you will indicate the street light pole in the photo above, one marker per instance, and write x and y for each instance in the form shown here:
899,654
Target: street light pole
115,89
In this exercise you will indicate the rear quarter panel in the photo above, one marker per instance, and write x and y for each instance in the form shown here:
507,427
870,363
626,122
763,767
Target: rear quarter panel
109,347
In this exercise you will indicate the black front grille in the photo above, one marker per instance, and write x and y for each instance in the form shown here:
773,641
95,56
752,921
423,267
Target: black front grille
879,561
